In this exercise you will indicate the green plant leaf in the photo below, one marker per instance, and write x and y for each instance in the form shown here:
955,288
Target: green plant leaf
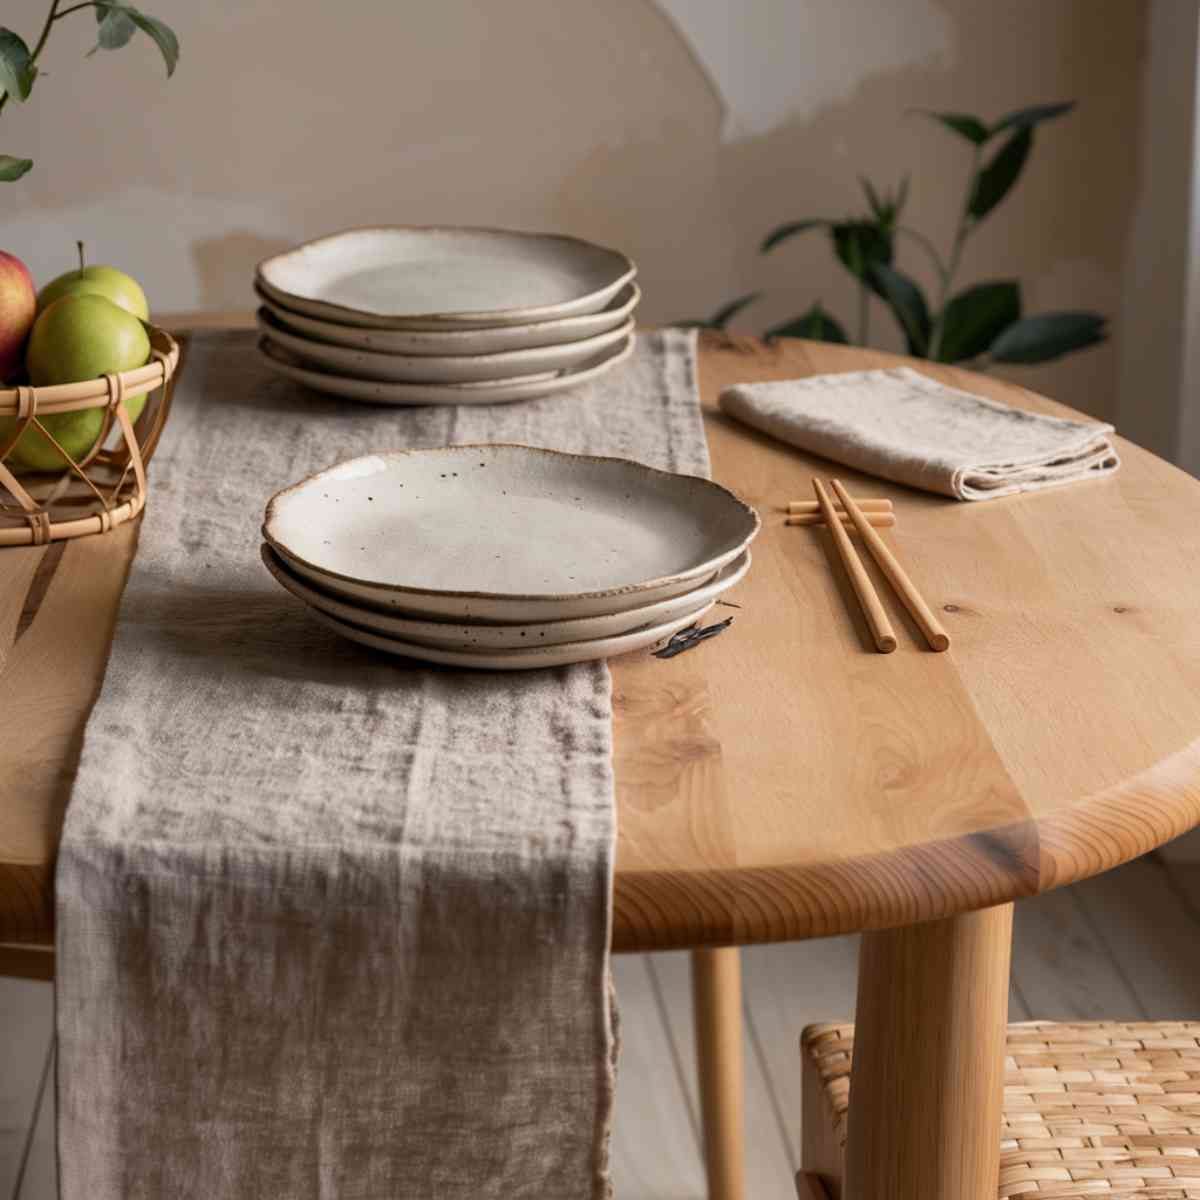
118,24
972,128
860,244
1026,118
163,37
116,27
789,230
727,312
974,319
13,168
873,199
16,67
907,302
816,325
1048,336
992,184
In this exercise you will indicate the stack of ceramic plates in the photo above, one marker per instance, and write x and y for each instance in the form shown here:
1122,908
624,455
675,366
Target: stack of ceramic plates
506,557
407,315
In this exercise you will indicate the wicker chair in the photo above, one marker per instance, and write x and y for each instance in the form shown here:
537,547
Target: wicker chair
1105,1108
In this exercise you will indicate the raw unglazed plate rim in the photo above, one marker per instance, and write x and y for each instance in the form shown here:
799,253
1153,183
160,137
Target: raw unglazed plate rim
529,314
406,589
627,308
268,328
525,654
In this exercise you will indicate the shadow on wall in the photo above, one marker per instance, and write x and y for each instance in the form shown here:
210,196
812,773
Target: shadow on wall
225,266
1062,232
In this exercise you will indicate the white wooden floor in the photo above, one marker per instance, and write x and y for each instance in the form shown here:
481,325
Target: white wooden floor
1124,946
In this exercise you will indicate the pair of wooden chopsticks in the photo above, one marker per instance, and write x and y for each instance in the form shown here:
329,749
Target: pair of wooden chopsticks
881,627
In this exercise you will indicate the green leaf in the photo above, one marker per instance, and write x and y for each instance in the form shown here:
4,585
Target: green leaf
789,230
16,67
13,168
972,128
973,319
1027,118
163,37
906,300
116,28
860,244
1047,336
873,200
727,312
992,184
816,325
118,24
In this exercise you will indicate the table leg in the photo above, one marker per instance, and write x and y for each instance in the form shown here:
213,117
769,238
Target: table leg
717,998
927,1082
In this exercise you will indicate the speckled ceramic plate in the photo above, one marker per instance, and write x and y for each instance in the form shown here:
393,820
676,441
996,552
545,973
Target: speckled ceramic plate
424,368
517,660
477,637
504,533
436,277
492,391
439,342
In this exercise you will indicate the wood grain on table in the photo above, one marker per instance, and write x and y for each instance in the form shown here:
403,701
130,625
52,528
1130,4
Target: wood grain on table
785,781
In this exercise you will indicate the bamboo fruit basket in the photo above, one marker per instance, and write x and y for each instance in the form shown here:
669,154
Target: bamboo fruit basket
107,487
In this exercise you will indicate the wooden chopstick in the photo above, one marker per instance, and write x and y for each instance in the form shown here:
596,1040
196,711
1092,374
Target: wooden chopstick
881,628
881,520
799,507
931,627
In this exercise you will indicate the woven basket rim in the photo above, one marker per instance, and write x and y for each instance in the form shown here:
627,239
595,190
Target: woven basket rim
71,397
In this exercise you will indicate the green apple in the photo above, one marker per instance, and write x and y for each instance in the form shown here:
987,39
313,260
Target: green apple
78,337
123,290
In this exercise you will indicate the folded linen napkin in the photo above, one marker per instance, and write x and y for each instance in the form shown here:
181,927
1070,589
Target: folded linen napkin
900,425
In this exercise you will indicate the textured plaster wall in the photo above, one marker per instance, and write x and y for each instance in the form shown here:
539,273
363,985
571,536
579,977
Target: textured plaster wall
681,131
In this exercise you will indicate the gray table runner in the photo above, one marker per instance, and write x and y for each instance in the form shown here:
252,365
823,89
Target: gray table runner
330,924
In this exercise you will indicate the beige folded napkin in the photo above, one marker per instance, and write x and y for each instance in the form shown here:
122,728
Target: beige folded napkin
900,425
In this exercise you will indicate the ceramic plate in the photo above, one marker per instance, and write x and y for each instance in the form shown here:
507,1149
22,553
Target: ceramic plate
463,368
411,277
505,637
498,391
517,660
495,340
506,533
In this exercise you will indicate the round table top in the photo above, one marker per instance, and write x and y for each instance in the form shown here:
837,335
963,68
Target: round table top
786,781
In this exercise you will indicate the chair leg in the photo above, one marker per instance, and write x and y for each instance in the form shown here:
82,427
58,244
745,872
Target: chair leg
717,998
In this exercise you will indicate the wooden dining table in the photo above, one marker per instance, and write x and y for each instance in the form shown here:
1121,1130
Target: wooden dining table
785,781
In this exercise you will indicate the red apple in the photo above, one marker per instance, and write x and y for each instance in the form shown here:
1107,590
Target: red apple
18,306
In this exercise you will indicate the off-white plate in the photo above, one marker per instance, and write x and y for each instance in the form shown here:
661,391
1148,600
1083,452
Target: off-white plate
517,660
495,340
505,637
463,368
506,533
497,391
412,277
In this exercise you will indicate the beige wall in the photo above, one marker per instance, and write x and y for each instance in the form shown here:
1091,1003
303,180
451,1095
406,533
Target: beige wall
680,132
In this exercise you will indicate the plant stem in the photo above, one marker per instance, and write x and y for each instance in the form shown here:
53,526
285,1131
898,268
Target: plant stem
864,313
66,12
929,248
960,237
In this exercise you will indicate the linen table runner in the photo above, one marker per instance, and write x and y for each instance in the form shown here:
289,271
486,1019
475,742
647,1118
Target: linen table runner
902,425
332,924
